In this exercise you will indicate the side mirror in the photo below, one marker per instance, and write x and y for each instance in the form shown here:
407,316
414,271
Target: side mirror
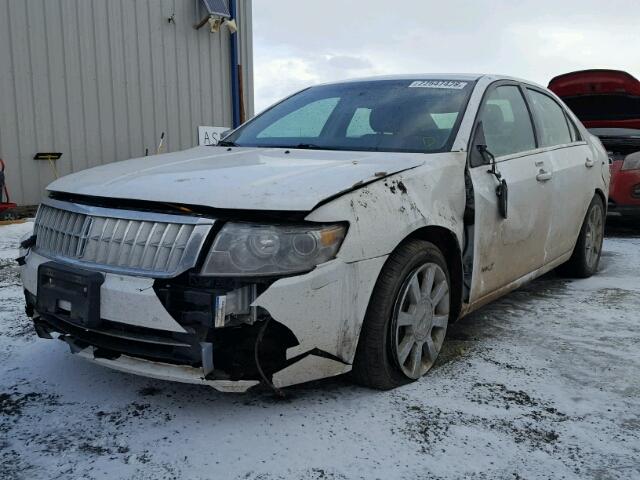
487,158
486,155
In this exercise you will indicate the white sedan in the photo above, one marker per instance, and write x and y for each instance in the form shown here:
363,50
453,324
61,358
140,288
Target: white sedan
341,230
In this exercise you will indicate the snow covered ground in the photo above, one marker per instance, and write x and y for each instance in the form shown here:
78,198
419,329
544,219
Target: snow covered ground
544,383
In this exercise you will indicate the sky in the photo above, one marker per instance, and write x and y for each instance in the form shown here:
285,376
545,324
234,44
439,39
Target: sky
298,43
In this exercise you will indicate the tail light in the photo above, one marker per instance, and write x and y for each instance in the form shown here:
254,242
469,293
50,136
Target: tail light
631,162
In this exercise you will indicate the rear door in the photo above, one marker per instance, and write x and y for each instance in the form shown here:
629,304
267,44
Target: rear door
506,249
574,171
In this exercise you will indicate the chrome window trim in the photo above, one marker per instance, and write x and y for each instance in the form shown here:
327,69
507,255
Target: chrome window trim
201,229
537,151
560,146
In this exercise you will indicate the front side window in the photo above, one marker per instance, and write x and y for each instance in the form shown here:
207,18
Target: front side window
554,129
414,115
506,122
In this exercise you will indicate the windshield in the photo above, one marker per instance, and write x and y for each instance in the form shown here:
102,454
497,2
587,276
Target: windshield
385,115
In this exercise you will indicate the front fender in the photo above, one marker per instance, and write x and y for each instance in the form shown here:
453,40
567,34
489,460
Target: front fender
382,214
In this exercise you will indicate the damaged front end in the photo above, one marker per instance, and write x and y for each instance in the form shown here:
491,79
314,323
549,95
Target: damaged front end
126,290
242,338
219,345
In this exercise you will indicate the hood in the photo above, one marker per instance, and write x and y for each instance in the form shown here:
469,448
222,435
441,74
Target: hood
240,178
601,98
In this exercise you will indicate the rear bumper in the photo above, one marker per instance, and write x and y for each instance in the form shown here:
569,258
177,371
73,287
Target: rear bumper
624,192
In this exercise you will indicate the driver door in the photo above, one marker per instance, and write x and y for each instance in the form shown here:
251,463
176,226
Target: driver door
506,249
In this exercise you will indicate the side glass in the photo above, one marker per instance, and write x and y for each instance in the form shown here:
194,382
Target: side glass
575,133
554,129
306,122
360,124
506,122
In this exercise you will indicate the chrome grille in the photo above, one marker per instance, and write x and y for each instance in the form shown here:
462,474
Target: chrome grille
149,244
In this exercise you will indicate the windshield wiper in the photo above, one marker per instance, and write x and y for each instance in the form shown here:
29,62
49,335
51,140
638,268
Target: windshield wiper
301,146
226,143
306,146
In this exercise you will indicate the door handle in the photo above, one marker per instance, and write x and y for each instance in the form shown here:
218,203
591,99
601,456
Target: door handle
589,163
544,176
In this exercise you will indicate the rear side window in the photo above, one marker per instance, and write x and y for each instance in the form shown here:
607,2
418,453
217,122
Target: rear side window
575,133
554,129
360,124
506,122
445,121
306,122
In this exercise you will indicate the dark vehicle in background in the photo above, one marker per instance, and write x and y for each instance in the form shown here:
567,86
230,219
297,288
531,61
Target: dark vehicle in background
608,103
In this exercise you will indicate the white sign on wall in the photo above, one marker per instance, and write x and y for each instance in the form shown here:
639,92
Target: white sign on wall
210,135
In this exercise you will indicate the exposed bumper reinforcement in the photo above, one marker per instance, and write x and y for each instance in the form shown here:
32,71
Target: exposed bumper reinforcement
166,371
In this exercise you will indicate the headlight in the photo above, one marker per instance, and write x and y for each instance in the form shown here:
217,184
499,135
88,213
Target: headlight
632,162
246,249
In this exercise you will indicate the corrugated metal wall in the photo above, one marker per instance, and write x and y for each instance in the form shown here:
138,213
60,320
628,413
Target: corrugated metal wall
99,80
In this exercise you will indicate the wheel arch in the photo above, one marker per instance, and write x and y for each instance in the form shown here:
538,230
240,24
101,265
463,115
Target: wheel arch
603,197
448,244
371,364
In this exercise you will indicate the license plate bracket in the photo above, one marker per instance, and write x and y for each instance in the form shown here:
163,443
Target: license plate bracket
79,290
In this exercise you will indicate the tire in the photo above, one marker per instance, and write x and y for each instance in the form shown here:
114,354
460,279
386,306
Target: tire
586,254
410,303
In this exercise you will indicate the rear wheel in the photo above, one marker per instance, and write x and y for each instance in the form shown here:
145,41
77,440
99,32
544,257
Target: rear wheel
407,318
586,255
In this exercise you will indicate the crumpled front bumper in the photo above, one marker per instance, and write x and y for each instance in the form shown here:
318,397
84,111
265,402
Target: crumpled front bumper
324,309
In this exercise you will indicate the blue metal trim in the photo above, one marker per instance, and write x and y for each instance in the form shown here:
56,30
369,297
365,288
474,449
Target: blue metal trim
235,86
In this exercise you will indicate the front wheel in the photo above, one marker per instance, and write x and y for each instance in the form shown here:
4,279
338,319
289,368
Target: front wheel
586,255
407,318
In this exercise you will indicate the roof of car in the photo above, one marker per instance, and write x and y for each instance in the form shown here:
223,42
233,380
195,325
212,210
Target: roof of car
414,76
465,77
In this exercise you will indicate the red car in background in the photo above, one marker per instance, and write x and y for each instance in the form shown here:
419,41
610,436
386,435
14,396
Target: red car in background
608,103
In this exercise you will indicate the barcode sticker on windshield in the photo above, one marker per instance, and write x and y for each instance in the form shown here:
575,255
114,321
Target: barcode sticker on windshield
449,84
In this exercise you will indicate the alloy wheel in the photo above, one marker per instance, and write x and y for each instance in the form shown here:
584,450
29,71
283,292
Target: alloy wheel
420,319
594,236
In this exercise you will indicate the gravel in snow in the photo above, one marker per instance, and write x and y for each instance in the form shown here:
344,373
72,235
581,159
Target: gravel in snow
544,383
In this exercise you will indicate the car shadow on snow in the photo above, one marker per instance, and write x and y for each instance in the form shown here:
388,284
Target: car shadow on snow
622,227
